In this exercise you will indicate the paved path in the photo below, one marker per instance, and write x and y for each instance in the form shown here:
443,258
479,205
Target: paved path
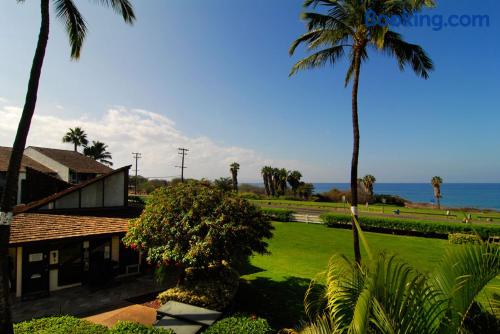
82,301
135,313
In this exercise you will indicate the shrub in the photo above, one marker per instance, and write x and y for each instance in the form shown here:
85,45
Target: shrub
59,325
250,195
411,226
281,215
127,327
240,324
463,238
194,224
213,288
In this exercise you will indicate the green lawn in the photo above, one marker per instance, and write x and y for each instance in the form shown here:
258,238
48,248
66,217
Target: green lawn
275,284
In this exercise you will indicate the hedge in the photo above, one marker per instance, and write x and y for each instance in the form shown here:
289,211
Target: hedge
240,324
411,227
281,215
463,238
72,325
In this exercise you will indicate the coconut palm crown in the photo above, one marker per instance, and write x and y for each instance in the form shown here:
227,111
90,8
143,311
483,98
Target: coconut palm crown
368,182
98,151
77,137
340,32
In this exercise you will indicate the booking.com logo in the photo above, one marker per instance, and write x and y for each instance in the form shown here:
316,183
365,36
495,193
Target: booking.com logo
436,22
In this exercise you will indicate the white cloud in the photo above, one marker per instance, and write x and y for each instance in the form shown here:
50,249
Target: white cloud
154,135
3,100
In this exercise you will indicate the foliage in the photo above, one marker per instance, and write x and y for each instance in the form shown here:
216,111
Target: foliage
72,325
194,224
250,195
305,190
224,184
234,168
417,227
146,186
390,200
240,324
464,238
98,151
251,188
127,327
281,215
76,136
294,180
213,288
368,182
386,295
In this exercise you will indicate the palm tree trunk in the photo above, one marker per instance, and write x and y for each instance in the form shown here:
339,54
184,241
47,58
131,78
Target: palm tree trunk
76,147
355,155
11,184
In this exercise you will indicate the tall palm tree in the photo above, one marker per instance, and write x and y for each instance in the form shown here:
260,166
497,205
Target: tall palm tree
67,11
294,180
265,172
388,296
436,182
98,151
368,182
342,31
76,136
282,178
234,168
275,183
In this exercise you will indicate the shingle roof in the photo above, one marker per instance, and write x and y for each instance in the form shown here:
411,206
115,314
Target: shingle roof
25,162
37,204
30,227
74,160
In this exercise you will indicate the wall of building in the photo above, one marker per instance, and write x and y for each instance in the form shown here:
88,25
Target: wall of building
61,170
114,188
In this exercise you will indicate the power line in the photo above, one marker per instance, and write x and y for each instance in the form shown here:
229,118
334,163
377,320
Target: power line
137,156
183,153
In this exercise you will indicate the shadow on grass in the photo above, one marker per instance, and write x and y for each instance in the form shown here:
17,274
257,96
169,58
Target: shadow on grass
280,302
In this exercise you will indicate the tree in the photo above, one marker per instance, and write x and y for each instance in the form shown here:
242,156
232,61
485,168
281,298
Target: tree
98,151
294,180
266,176
388,296
234,168
436,182
224,184
274,179
194,224
282,179
77,137
368,182
76,30
343,31
305,190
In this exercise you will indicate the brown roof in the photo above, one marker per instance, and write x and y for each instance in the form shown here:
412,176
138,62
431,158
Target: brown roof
46,200
74,160
30,227
25,162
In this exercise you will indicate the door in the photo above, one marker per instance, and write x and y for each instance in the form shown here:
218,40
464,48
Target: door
101,268
35,272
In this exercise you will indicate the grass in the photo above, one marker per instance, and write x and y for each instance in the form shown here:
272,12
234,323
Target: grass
274,285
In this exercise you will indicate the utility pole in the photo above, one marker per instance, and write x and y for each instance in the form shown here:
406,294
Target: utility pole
137,156
183,153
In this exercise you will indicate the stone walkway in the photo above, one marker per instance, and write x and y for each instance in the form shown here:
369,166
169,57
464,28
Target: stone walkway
84,301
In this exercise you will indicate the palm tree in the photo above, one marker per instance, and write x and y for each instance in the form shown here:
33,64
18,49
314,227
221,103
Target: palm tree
76,136
294,180
234,168
275,181
76,30
266,172
388,296
368,182
342,31
98,151
436,182
282,178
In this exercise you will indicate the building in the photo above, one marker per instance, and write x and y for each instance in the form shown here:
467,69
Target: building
73,237
70,166
35,180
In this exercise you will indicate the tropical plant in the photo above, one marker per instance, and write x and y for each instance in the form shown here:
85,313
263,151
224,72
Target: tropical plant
234,168
76,29
77,137
224,184
194,224
275,181
341,31
436,182
305,190
294,180
386,295
282,179
368,182
266,172
98,151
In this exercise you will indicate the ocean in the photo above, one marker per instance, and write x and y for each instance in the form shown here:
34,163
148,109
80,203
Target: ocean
476,195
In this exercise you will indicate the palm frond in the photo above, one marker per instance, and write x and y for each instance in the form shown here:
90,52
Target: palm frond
122,7
319,59
75,25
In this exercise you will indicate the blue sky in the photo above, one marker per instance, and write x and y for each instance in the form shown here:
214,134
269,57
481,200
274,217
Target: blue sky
217,71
